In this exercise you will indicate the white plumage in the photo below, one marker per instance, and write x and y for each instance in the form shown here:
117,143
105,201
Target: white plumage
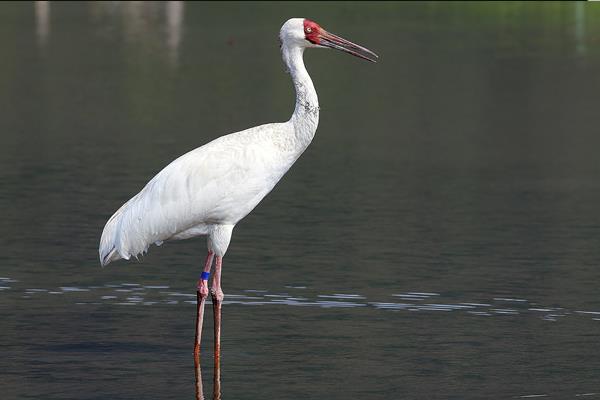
208,190
213,186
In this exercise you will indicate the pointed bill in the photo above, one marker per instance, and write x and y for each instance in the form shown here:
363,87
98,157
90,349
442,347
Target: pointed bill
327,39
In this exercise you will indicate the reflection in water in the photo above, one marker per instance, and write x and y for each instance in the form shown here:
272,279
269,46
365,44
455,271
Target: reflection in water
133,20
216,381
198,371
580,47
42,21
174,14
141,20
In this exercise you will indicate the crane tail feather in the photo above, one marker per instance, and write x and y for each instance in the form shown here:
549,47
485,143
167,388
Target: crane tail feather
129,232
110,240
112,255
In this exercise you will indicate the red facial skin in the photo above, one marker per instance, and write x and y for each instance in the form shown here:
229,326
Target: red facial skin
311,31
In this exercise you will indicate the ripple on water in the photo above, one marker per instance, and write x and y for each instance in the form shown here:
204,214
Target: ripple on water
4,281
73,289
342,296
132,294
180,294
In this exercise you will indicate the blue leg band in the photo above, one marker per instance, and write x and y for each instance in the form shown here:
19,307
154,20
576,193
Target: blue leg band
205,276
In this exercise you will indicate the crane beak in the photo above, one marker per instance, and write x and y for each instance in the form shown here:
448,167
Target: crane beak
330,40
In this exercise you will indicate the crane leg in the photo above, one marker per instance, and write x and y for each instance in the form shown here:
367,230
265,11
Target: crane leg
217,300
201,296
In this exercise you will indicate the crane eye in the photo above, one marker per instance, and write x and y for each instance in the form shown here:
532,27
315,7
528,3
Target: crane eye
308,29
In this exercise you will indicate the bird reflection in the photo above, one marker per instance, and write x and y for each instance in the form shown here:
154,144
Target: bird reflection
216,381
198,371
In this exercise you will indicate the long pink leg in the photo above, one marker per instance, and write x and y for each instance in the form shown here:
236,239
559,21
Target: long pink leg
217,300
201,296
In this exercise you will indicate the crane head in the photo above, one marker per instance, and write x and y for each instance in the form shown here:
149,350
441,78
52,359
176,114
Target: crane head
303,32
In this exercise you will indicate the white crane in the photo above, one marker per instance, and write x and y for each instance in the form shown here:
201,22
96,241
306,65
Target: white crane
210,189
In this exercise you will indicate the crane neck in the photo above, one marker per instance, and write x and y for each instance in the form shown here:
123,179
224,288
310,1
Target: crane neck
306,113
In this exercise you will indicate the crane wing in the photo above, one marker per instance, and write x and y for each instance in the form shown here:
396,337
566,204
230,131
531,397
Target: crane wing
218,183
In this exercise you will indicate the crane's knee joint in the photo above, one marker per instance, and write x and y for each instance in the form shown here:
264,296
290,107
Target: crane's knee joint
217,294
203,289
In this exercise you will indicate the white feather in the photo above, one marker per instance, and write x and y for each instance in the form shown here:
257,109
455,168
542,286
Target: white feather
208,190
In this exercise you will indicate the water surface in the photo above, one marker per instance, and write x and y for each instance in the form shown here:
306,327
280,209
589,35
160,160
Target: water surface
438,240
